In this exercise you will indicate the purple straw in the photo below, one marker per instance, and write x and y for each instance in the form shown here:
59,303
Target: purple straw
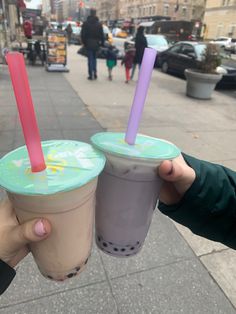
144,78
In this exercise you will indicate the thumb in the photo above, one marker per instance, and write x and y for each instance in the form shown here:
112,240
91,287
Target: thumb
171,171
178,172
30,231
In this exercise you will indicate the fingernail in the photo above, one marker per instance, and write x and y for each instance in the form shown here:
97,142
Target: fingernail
39,229
171,170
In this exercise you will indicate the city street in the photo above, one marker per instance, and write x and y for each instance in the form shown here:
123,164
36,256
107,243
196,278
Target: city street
176,271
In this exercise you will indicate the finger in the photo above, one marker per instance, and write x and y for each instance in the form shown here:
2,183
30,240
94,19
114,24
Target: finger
30,231
168,193
171,170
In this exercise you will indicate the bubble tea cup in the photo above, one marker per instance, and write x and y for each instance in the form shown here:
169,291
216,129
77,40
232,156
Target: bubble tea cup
64,194
128,190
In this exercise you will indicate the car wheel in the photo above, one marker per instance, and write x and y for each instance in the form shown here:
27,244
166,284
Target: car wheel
165,67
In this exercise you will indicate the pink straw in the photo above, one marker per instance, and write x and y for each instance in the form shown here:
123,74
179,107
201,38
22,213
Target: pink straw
20,83
140,94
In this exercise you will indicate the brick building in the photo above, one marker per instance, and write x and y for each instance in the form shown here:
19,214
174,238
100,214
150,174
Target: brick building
220,18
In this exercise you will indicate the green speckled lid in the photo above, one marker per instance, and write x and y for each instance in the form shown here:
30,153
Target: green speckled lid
70,164
146,147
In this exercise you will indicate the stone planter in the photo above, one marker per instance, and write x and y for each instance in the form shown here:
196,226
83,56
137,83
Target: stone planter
200,85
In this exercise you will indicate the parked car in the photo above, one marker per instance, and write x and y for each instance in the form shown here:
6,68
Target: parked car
231,47
76,36
221,41
188,54
101,52
107,34
157,42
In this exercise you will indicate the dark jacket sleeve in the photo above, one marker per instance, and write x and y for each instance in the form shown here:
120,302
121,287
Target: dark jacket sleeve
208,208
6,276
84,33
102,37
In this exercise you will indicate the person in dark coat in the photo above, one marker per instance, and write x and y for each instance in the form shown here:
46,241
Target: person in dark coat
201,196
92,37
14,238
69,32
140,45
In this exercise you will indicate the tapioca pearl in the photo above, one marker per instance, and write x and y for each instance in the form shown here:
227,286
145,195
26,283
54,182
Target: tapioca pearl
110,243
86,261
115,249
71,275
123,250
132,248
138,243
104,244
99,239
127,254
49,277
77,268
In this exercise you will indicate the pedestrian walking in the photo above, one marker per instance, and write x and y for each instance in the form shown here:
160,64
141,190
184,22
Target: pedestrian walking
140,45
128,61
92,38
28,29
69,32
111,60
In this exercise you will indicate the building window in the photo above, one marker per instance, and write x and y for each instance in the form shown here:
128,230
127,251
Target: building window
143,11
219,30
153,10
232,30
150,10
166,9
184,11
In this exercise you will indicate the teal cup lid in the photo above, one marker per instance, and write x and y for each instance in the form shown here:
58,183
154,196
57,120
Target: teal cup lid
70,165
145,147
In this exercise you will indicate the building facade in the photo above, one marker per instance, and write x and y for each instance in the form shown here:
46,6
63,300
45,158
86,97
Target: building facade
140,10
220,19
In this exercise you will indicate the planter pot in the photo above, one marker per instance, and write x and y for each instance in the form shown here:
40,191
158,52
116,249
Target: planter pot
200,85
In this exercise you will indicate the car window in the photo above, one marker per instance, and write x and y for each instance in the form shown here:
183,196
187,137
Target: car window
221,39
157,40
76,29
199,50
186,49
175,49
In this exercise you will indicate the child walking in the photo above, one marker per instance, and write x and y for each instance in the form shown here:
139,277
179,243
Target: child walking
128,61
111,60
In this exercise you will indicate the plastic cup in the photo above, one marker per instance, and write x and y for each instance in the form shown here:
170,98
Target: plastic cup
64,194
128,190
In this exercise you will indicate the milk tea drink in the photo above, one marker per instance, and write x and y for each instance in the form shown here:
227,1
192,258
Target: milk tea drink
128,190
64,194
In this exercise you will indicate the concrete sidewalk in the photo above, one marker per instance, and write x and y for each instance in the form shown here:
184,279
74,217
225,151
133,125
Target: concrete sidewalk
170,274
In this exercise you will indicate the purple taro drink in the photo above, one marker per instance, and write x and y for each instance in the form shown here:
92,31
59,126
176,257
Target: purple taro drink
64,194
128,190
